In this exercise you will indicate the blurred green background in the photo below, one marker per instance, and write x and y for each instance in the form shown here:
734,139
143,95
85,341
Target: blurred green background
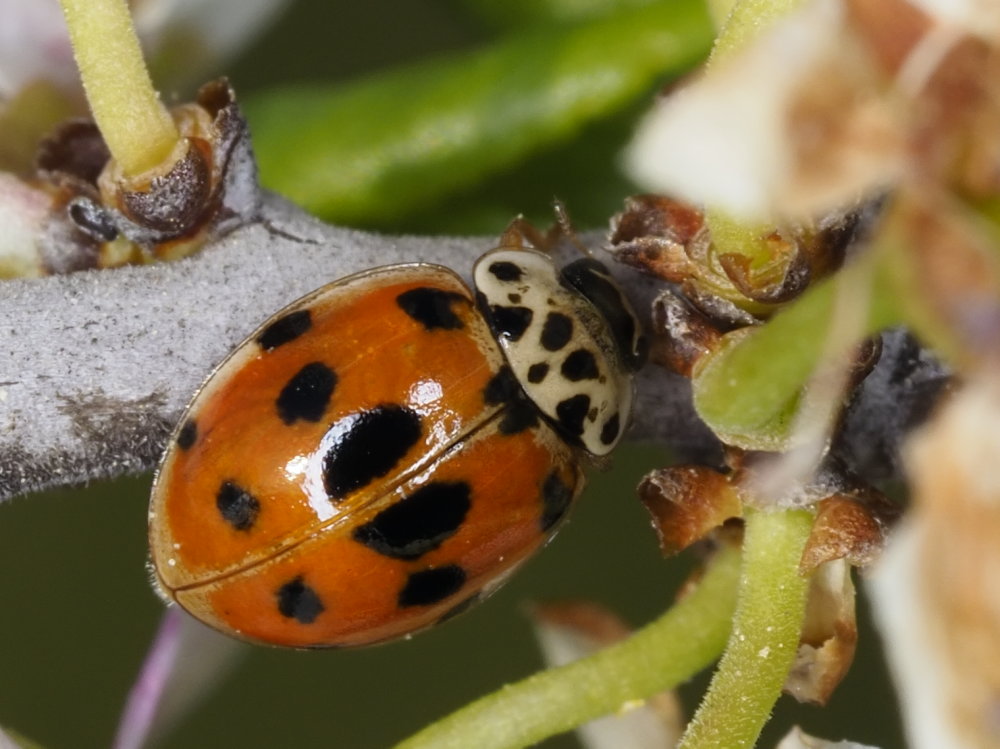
78,613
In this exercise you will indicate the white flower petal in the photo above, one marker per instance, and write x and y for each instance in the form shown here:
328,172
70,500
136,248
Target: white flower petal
799,739
936,590
790,127
979,17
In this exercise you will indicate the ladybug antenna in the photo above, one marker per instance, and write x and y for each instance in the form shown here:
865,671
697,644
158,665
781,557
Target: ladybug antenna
564,229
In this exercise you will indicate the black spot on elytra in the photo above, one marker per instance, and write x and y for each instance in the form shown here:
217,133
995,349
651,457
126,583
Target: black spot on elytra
505,271
298,601
237,506
571,413
285,329
537,372
418,523
366,446
519,416
510,322
610,430
431,586
431,307
502,387
557,331
459,608
591,278
307,394
188,434
519,413
514,298
580,365
556,499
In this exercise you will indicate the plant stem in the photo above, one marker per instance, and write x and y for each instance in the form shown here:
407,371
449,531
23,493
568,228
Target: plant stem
666,652
135,124
765,635
744,23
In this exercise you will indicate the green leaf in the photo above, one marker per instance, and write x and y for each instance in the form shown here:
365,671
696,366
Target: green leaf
385,147
514,13
580,173
748,391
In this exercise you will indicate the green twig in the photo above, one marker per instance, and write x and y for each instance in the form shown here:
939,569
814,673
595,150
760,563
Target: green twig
745,21
135,124
749,391
678,644
765,635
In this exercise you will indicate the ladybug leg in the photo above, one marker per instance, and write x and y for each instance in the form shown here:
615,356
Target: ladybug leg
521,233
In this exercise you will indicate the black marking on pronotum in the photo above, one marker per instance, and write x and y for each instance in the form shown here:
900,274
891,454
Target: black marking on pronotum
557,331
510,322
580,365
431,586
506,271
285,329
187,435
571,413
556,499
298,601
610,430
431,307
537,372
504,389
366,446
237,506
418,523
306,396
591,278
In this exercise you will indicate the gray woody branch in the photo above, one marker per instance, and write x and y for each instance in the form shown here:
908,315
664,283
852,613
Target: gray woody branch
98,365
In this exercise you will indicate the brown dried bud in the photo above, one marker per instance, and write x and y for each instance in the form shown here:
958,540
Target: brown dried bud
829,635
851,527
656,217
687,503
654,233
206,187
681,334
670,240
171,203
75,149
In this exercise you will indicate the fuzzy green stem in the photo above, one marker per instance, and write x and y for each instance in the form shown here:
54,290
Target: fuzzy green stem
765,636
664,653
135,124
745,21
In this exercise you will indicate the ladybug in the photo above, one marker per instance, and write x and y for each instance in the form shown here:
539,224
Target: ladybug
383,452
